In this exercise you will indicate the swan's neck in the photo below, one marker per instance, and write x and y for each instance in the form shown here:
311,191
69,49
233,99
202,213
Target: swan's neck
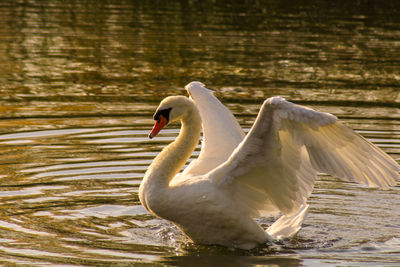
171,159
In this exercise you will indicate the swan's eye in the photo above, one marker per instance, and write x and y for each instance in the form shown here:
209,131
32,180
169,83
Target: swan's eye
162,112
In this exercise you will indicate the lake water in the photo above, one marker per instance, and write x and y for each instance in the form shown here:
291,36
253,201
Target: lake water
80,80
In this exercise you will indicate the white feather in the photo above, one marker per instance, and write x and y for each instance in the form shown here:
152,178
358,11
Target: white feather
269,171
221,132
285,148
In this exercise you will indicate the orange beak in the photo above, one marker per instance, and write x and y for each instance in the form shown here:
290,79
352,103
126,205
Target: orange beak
158,126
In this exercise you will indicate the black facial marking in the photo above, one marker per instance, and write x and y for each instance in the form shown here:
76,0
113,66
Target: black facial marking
163,112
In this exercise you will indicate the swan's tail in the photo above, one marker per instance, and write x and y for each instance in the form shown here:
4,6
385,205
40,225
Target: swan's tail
289,224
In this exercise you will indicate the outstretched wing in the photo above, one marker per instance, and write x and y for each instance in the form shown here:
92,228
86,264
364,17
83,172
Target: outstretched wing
221,132
275,166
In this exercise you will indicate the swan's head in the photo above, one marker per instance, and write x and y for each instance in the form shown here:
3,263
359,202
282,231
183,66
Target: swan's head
171,109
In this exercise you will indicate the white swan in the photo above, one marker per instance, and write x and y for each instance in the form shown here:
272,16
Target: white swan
237,178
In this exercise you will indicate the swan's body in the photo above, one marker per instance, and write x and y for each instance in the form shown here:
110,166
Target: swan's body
237,178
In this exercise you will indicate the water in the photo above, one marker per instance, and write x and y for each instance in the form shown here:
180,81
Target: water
79,81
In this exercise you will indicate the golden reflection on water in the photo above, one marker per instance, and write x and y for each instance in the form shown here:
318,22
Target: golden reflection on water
79,82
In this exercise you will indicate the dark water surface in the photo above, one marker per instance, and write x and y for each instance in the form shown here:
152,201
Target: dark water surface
79,81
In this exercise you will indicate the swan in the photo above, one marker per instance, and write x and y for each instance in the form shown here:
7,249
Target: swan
239,177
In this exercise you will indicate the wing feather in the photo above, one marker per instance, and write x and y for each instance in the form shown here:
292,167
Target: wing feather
221,132
274,168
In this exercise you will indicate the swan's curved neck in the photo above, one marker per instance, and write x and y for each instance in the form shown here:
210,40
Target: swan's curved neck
170,161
